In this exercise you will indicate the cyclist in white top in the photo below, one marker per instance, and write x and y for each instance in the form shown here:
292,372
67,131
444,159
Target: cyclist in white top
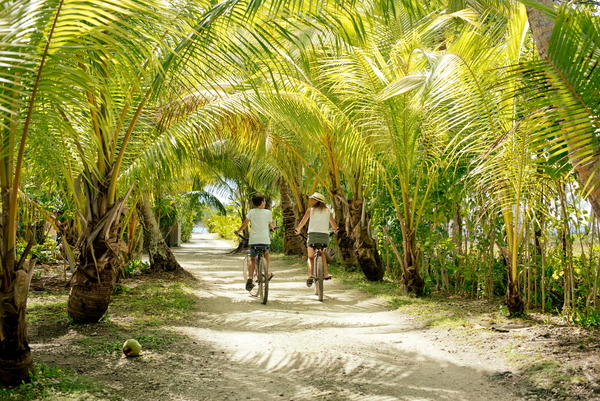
260,219
318,232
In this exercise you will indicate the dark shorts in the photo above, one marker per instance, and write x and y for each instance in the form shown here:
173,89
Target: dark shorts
253,250
318,238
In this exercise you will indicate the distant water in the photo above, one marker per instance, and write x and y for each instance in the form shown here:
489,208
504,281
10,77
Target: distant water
200,229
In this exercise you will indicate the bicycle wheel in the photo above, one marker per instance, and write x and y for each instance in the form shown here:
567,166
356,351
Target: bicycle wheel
255,292
264,281
320,275
245,266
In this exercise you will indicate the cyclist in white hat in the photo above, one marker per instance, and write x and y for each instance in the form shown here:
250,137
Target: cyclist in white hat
318,231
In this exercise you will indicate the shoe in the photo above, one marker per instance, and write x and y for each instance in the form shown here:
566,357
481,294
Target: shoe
328,277
309,282
271,276
249,285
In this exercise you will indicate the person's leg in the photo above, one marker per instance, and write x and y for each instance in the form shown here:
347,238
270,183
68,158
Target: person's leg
251,267
310,261
249,284
268,269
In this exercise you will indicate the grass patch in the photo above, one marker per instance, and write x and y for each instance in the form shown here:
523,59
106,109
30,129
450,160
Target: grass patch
47,308
155,304
48,383
145,310
289,259
356,279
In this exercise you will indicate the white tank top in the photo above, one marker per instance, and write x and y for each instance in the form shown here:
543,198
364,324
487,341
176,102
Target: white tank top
319,221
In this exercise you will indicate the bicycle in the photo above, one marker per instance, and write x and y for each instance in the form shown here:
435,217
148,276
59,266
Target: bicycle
318,265
261,273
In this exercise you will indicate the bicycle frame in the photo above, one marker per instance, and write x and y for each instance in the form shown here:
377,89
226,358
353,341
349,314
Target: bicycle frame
317,268
260,276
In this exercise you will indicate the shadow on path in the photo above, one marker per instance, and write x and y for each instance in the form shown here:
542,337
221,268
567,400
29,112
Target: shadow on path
348,347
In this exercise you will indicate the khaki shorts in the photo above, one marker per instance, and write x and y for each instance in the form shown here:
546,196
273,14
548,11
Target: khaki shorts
318,238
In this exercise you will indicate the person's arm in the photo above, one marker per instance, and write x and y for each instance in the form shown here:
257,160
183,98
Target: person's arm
333,224
244,225
273,226
303,222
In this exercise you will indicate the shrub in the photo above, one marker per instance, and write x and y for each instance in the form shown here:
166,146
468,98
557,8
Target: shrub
134,266
224,225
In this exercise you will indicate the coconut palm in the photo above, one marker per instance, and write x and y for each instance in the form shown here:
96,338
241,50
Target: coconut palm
567,41
42,76
382,75
120,114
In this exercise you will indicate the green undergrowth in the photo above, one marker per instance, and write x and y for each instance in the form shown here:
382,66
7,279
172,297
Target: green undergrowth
54,383
433,310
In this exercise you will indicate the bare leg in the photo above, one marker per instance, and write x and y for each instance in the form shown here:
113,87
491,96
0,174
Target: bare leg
310,261
251,267
266,255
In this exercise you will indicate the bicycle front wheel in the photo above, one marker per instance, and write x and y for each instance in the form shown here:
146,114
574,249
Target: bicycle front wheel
264,281
320,276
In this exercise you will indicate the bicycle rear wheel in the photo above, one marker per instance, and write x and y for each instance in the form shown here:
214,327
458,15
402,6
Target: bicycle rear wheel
320,275
263,281
256,278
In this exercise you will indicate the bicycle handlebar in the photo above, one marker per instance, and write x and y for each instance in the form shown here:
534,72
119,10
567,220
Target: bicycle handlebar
331,234
246,239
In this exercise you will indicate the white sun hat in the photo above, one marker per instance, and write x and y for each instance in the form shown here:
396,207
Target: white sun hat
318,196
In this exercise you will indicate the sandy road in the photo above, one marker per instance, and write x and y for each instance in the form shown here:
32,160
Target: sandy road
349,347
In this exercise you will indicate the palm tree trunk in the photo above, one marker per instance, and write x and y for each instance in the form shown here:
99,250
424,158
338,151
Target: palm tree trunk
99,258
492,259
345,239
16,361
587,166
160,255
537,241
365,246
412,278
457,238
514,299
292,245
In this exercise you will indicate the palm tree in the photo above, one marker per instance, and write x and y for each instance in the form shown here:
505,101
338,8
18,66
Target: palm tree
496,135
26,51
562,38
115,102
120,112
388,65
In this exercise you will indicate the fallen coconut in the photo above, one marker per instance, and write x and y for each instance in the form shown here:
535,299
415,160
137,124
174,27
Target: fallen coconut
132,348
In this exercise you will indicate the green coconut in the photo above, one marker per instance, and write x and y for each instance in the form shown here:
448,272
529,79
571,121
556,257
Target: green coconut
132,348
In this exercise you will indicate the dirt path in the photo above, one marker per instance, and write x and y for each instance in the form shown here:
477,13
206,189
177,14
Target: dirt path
349,347
231,347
